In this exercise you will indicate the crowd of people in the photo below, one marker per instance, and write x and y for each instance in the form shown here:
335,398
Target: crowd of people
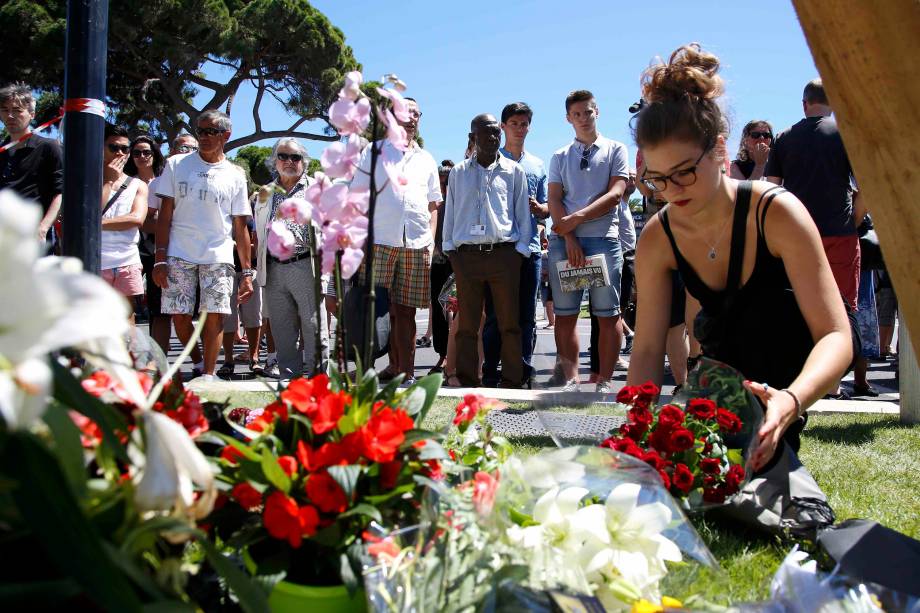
699,262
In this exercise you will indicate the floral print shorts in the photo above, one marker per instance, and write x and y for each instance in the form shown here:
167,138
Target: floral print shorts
185,278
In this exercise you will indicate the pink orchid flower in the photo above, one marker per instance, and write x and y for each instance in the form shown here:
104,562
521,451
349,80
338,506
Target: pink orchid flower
350,117
333,204
349,239
396,134
391,165
400,104
280,240
352,88
340,160
296,209
358,200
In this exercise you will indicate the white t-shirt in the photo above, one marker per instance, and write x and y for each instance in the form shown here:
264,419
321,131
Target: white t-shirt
207,198
153,201
119,247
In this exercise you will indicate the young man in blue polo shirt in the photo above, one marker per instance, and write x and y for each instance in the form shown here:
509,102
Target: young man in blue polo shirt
587,179
515,123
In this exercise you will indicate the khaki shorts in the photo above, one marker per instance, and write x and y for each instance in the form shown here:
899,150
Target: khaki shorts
215,281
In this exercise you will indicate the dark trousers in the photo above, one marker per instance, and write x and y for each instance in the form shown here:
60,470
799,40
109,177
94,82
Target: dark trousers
440,327
498,270
527,320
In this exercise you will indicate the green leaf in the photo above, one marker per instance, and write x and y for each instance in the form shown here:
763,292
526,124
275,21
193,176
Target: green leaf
417,434
735,456
430,385
521,519
250,596
386,394
346,477
397,491
367,387
67,446
364,509
69,392
48,506
274,473
471,456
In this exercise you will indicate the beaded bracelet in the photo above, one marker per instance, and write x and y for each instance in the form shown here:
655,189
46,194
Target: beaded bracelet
798,405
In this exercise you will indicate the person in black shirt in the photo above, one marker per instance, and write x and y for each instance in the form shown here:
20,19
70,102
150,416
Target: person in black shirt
753,150
30,165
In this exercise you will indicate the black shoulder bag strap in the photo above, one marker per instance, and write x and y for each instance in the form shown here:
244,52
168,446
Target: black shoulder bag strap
115,196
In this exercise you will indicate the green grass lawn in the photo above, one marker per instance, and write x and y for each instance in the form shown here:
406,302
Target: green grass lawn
867,465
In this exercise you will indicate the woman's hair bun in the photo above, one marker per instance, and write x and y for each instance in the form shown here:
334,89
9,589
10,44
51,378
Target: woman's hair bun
689,73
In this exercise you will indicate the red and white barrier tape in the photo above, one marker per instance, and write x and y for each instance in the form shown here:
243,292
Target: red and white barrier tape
71,105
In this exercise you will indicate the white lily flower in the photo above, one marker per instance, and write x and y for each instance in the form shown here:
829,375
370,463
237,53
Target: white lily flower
50,303
550,469
171,468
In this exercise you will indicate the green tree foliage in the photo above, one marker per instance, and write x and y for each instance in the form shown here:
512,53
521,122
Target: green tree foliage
253,158
160,52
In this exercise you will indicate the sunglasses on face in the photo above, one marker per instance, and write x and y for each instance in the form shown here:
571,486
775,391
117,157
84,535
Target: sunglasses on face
123,149
141,153
209,131
294,157
186,148
756,135
683,178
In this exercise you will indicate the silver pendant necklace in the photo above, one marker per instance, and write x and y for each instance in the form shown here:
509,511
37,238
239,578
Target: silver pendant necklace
712,246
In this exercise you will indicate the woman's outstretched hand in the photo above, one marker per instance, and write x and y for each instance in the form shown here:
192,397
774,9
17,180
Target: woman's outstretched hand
781,413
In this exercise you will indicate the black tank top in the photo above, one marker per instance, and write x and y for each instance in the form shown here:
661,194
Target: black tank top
746,167
759,328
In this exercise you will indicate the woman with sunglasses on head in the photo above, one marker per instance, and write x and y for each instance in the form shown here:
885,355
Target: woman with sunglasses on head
289,288
753,151
748,251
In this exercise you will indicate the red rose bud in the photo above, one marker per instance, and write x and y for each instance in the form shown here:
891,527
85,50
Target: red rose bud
648,390
660,439
728,421
681,440
702,408
711,466
670,416
714,495
682,478
248,496
735,476
654,460
640,415
633,431
665,479
626,394
288,464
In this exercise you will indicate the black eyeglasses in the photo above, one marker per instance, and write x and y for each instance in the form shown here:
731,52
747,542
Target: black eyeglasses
118,148
586,157
186,148
209,131
756,135
294,157
683,178
141,153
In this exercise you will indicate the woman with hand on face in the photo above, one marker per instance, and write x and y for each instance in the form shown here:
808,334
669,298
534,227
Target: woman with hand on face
753,151
748,251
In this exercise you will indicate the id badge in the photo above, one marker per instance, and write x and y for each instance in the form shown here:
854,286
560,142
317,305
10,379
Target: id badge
477,230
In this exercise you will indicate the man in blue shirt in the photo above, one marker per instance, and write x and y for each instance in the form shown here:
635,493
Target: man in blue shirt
516,119
587,179
487,233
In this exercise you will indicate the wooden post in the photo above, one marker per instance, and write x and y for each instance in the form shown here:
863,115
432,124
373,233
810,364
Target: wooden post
866,52
909,377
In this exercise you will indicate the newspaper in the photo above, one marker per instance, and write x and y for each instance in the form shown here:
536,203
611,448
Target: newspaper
593,274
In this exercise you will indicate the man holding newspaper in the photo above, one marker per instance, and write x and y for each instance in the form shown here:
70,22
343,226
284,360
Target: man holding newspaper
587,178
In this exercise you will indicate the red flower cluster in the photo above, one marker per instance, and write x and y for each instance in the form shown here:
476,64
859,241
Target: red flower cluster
313,429
471,405
679,443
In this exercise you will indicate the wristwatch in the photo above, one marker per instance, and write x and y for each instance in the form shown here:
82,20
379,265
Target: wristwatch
248,272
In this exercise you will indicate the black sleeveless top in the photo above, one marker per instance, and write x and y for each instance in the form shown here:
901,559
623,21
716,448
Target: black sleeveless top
757,328
745,166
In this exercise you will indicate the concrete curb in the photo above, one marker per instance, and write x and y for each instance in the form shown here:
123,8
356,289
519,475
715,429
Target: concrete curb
886,404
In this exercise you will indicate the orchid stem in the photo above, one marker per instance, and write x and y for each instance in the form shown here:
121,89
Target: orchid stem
340,327
317,300
370,328
186,351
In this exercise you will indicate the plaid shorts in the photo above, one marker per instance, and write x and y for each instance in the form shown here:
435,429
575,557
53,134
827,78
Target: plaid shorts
215,282
405,273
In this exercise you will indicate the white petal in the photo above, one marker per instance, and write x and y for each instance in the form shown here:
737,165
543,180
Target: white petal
569,498
543,508
622,500
591,523
649,519
24,393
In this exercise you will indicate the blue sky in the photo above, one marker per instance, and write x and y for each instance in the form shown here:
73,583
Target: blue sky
461,59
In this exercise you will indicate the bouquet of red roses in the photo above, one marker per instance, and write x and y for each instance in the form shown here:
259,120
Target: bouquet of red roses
316,466
698,449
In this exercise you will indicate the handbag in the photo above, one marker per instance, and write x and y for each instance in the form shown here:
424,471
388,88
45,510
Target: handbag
870,252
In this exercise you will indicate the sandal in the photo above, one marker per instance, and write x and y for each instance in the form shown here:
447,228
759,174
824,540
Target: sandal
842,395
423,341
451,380
225,371
864,390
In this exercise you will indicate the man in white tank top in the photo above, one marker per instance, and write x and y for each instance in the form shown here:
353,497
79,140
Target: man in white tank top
124,206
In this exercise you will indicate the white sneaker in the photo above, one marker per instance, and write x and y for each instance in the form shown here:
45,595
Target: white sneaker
207,377
622,364
602,387
571,386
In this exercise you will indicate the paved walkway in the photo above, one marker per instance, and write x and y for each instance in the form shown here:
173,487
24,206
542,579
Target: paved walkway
882,375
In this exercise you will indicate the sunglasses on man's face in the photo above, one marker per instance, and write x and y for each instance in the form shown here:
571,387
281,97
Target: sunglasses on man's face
756,135
186,148
141,153
294,157
123,149
209,131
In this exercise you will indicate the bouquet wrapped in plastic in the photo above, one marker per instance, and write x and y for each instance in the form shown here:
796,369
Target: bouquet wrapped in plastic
448,296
